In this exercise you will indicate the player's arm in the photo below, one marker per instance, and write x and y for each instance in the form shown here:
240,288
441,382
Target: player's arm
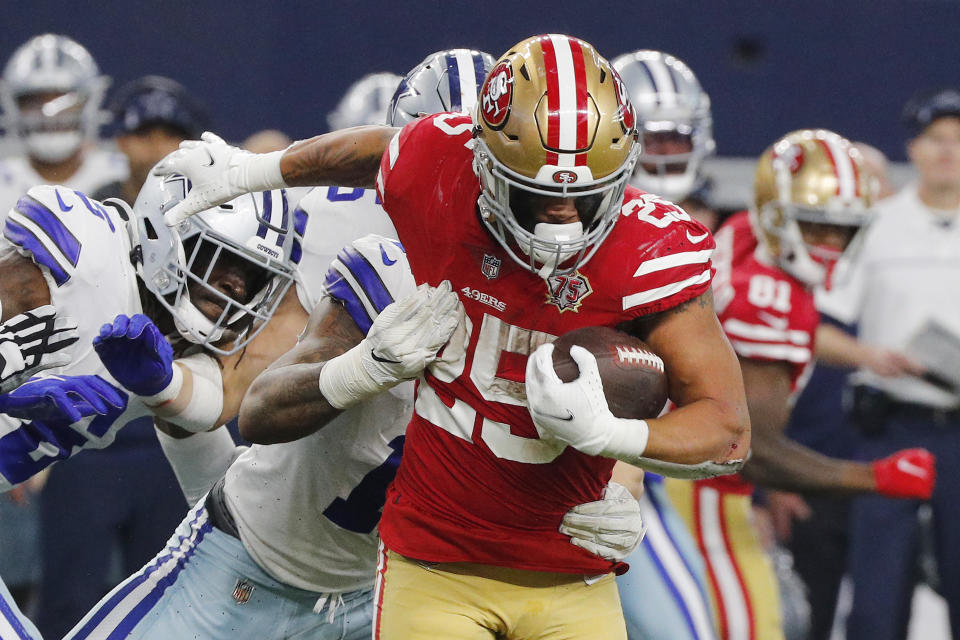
780,463
335,367
837,348
708,435
711,421
219,172
284,403
22,285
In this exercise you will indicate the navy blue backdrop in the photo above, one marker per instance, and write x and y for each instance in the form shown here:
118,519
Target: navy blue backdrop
769,66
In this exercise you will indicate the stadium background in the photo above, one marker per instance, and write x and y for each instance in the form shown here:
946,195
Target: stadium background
769,67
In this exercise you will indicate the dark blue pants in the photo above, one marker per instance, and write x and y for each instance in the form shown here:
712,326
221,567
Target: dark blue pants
885,536
125,497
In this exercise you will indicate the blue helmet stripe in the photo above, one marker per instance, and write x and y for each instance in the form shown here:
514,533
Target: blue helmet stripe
653,83
267,213
285,215
479,70
453,73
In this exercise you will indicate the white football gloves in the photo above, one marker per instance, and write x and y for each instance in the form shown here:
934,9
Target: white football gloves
610,528
32,342
219,172
576,413
403,340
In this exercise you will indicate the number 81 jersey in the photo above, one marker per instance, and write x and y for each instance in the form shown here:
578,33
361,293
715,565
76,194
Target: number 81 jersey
476,483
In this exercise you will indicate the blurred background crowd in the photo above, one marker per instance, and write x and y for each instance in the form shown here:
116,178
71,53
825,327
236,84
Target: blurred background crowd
97,106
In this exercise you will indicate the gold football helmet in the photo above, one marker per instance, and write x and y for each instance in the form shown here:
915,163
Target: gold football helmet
553,121
809,184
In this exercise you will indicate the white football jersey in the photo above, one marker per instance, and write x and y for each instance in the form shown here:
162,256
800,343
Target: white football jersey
100,167
83,251
338,215
307,511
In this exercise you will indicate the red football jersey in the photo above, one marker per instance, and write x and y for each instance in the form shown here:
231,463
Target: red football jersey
476,484
766,313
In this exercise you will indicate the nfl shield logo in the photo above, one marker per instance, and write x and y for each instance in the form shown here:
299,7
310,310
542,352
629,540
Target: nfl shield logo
242,591
490,266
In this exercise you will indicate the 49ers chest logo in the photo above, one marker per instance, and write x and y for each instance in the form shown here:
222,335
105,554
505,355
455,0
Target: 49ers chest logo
496,95
568,292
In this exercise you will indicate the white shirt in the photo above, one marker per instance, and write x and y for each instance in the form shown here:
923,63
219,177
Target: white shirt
99,168
906,272
307,510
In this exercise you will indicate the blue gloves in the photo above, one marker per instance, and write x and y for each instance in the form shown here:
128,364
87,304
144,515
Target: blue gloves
65,399
136,354
51,409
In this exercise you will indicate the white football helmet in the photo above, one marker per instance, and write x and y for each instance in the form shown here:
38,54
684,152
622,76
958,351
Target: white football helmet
447,80
51,93
183,266
673,116
365,102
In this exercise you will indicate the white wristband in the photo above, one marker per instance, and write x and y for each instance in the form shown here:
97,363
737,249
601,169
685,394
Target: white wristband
201,409
261,172
628,439
344,381
171,391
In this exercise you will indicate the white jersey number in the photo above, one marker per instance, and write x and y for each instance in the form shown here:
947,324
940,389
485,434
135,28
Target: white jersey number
496,338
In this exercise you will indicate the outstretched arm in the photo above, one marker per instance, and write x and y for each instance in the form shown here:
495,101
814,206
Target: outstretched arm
778,462
284,402
220,172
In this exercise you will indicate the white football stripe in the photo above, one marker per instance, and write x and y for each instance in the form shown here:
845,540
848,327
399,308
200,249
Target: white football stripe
785,352
730,595
666,291
765,333
846,175
468,80
567,81
673,260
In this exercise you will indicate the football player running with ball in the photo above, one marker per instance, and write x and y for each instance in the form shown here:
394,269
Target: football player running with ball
525,210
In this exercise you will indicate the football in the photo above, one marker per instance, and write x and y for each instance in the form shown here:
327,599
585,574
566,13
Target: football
634,381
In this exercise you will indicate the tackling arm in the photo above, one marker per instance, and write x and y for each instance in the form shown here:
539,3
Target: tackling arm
284,403
778,462
22,285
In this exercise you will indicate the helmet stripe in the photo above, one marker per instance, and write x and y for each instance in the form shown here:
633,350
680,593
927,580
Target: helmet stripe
284,219
268,211
468,80
842,167
664,82
479,70
645,65
580,75
453,73
566,99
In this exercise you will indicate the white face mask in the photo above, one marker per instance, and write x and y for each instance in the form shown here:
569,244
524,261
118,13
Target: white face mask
554,233
52,146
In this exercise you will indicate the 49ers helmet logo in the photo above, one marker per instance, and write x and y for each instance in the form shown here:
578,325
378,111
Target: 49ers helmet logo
626,114
792,156
496,95
564,177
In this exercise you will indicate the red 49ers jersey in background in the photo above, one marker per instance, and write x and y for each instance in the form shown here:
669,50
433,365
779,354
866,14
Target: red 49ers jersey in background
766,313
476,484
